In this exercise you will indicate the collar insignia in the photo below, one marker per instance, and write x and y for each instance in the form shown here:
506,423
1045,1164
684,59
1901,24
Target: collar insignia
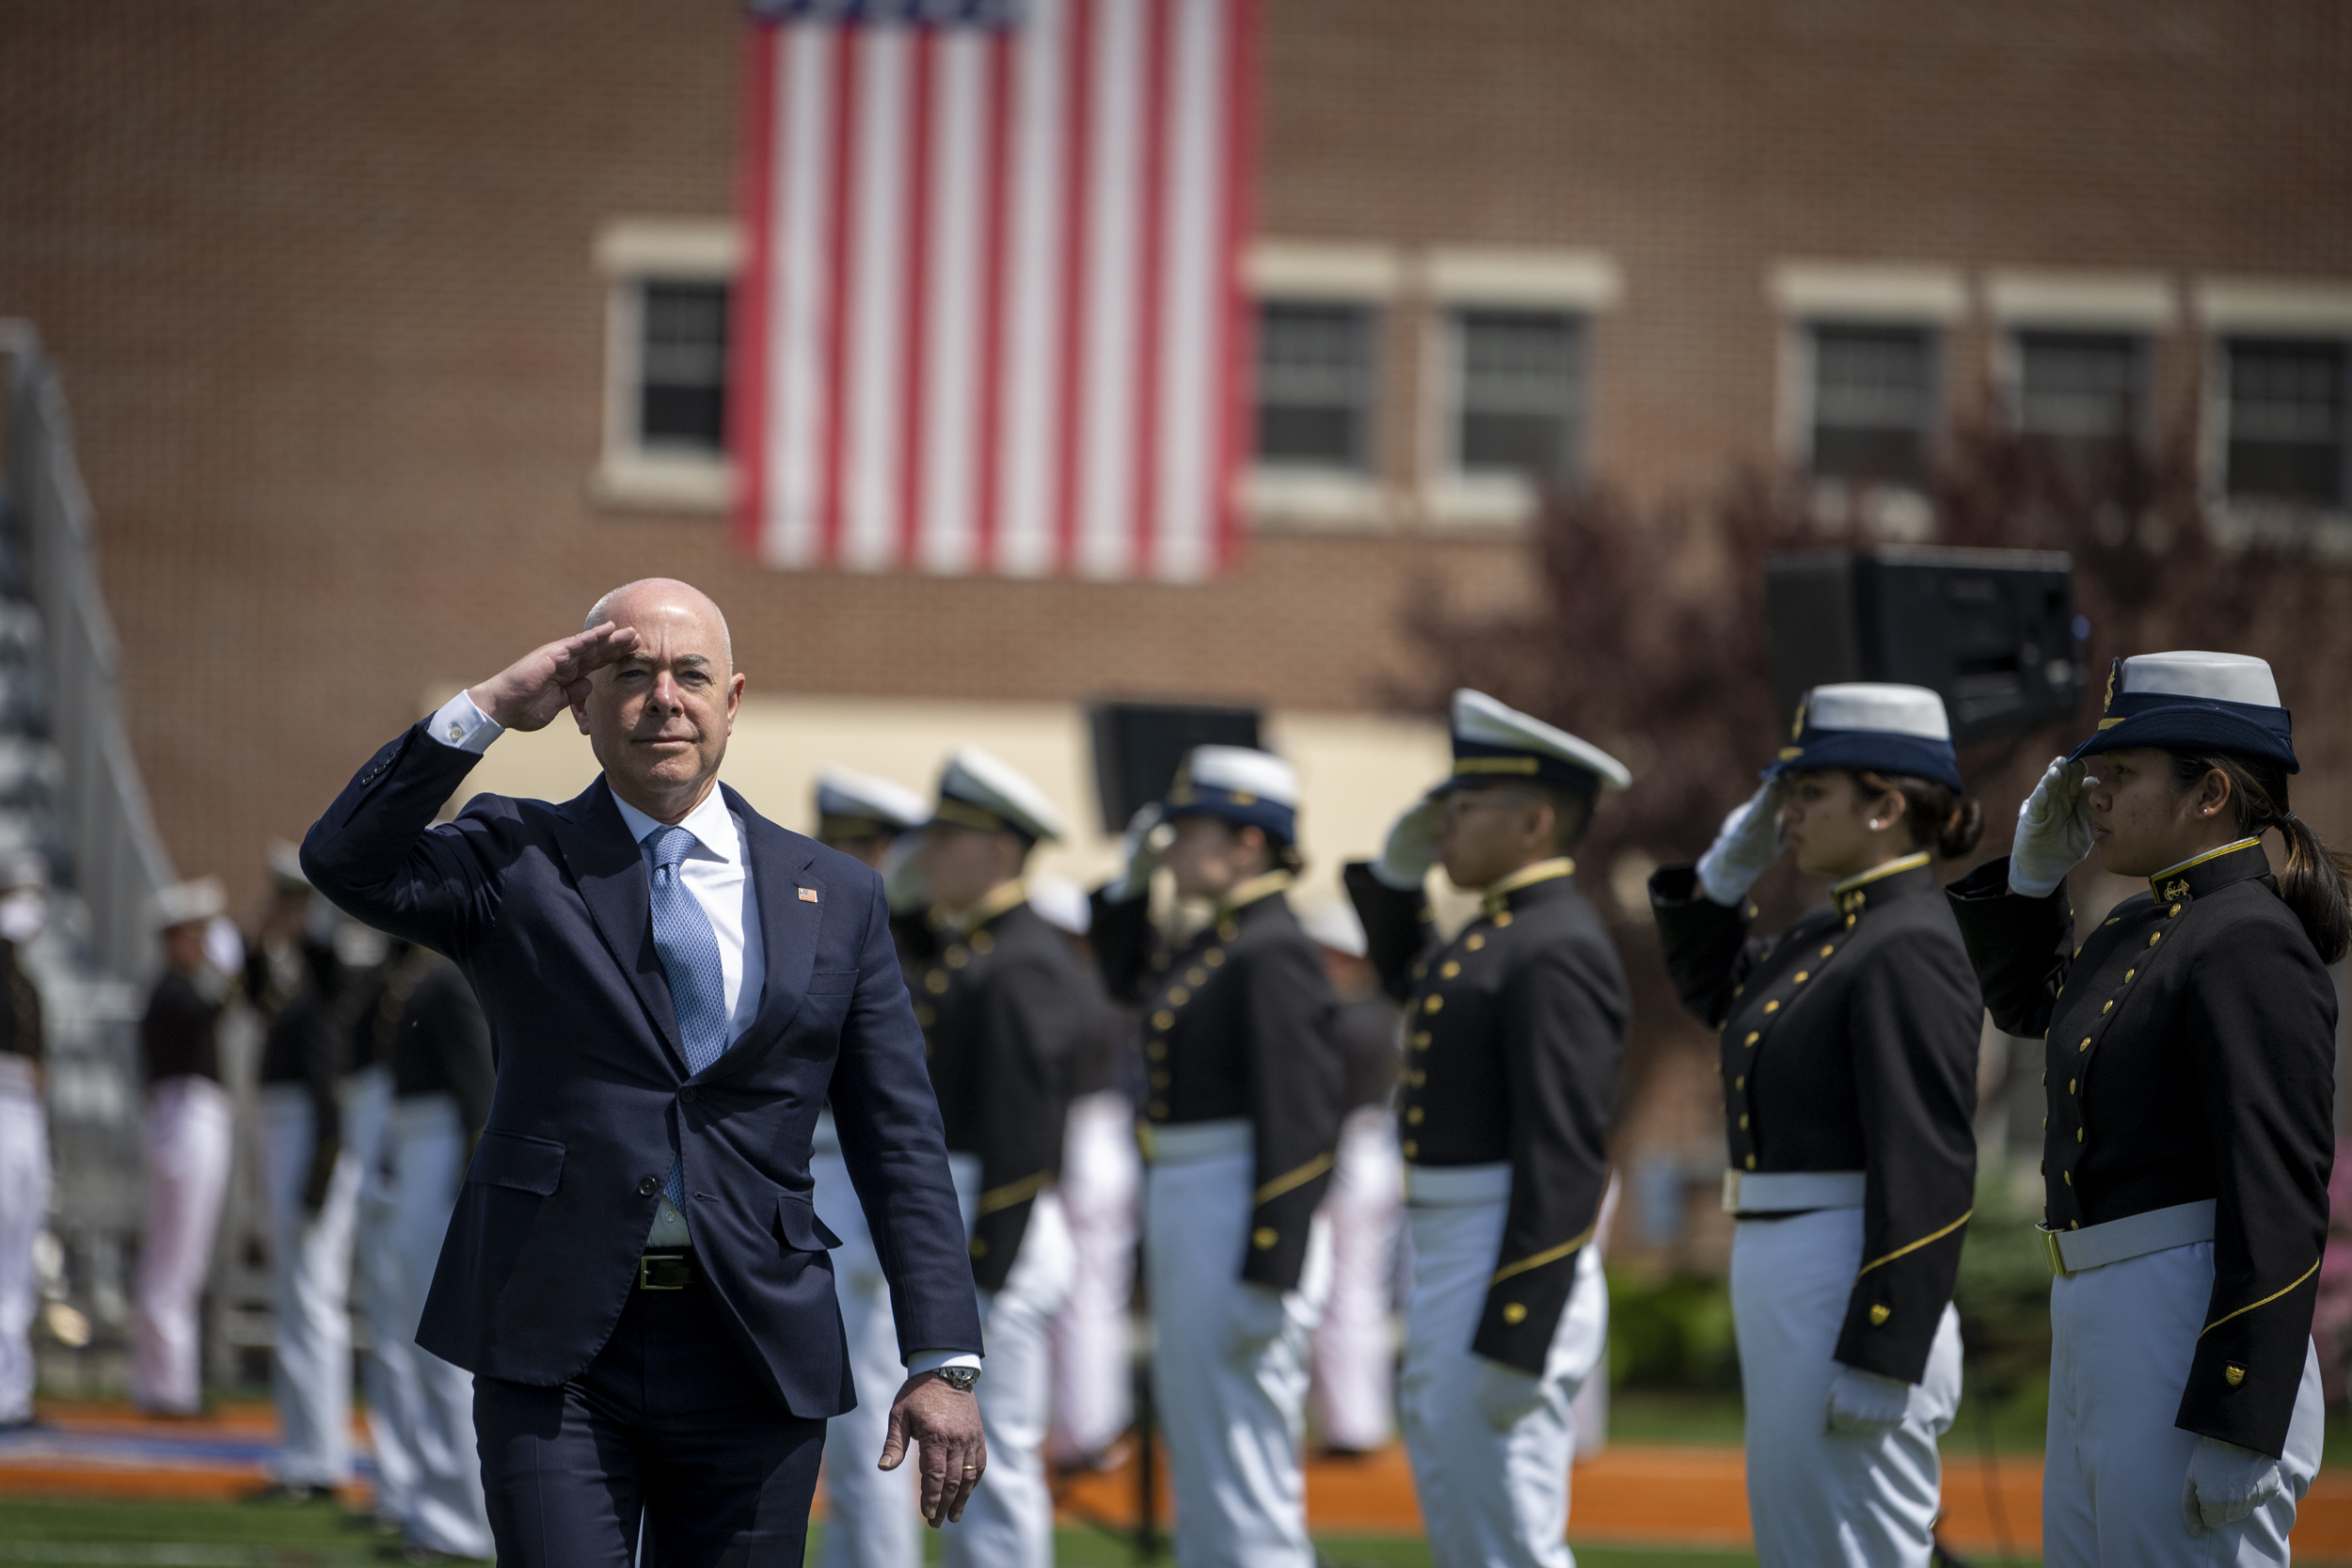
2176,890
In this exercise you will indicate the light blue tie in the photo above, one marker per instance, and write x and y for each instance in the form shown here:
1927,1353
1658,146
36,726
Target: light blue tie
690,960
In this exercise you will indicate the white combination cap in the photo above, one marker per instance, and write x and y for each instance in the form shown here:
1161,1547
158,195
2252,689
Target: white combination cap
184,903
1062,903
977,790
862,797
1493,744
1878,705
1333,924
2219,677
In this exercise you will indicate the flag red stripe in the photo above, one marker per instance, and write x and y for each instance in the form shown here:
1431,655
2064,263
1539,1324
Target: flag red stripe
1077,116
836,313
747,332
1234,381
917,281
993,287
1157,49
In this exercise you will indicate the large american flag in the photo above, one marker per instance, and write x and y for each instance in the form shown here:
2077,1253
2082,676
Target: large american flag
992,320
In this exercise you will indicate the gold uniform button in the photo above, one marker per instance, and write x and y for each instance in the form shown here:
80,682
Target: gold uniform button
1421,972
2107,1008
1751,1161
2127,976
923,1015
1417,1078
1514,1313
2086,1044
1412,1115
2173,913
1879,1316
958,957
1802,976
935,982
1450,971
1502,920
1743,1124
1772,1006
1420,1040
1754,1036
1827,949
1159,1080
1178,996
2232,1374
2078,1133
1264,1237
1162,1020
983,943
1159,1110
1194,976
1214,957
1741,1081
978,1247
1475,940
1155,1050
1227,930
2070,1177
1432,1003
2073,1085
1412,1149
2154,937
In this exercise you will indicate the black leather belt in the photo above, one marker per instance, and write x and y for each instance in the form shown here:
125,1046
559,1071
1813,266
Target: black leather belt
667,1271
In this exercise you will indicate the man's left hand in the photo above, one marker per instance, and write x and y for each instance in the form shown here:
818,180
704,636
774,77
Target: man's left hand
945,1422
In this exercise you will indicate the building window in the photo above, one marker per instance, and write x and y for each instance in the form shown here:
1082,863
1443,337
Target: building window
2080,398
1316,380
682,368
1873,403
1520,401
2286,420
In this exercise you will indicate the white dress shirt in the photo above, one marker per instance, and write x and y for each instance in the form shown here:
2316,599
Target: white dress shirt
716,871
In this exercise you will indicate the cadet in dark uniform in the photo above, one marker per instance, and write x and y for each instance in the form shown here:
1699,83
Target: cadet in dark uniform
23,1133
187,1137
1241,1119
2190,1082
1004,1005
1849,1065
1514,1031
871,1520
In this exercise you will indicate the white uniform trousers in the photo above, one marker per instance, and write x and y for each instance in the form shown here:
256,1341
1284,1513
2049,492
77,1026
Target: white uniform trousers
309,1269
1102,1176
1490,1445
443,1507
1229,1371
1355,1349
188,1137
1008,1522
870,1514
24,1208
2122,1339
385,1370
1816,1498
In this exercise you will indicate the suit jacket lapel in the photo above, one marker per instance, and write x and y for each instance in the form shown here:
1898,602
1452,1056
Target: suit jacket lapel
789,923
609,870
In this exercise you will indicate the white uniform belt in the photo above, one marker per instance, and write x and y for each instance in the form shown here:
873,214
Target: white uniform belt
1449,1186
1780,1191
1188,1141
2132,1236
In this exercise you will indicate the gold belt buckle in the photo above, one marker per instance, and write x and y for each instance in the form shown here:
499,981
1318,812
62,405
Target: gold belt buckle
645,1262
2050,1249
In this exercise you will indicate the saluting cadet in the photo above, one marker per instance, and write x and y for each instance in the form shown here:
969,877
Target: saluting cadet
1354,1387
1004,1006
23,1132
2190,1084
1849,1066
187,1136
1241,1121
1514,1031
871,1520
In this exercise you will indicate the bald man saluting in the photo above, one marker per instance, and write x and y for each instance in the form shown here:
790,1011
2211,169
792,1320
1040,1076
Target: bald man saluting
675,985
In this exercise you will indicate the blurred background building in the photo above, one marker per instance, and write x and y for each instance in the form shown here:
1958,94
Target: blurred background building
396,334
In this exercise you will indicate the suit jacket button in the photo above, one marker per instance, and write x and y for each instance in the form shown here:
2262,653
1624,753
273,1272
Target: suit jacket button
686,1095
649,1186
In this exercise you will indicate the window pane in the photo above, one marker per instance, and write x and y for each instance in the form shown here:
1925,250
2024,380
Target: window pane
1873,402
2287,420
1521,379
2078,385
683,367
1314,384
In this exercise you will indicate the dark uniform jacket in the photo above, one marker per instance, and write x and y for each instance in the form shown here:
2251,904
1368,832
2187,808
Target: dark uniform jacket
1238,1023
2191,1055
1848,1042
1003,1008
1514,1031
178,1036
1369,1041
444,1042
21,1030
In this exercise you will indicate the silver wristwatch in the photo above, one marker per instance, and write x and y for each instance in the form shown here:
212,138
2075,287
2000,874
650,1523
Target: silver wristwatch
959,1378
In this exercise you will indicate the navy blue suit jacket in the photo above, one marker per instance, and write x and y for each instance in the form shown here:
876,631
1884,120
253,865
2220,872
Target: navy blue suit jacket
549,910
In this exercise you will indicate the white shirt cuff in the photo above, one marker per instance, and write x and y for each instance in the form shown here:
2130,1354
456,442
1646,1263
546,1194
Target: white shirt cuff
932,1360
461,724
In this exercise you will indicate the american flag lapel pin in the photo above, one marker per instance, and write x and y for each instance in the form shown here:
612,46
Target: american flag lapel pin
808,896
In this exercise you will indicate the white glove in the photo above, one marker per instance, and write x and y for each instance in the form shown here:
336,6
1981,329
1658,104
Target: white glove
2225,1483
1411,847
2053,829
1259,1313
1137,856
1506,1394
904,887
1751,838
1866,1404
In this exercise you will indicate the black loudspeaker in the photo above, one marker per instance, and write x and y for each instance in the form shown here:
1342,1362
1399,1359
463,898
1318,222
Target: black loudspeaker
1138,746
1992,632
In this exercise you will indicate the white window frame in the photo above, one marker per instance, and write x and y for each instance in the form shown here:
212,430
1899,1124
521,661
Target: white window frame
1304,272
2262,307
2143,305
632,253
1581,285
1812,293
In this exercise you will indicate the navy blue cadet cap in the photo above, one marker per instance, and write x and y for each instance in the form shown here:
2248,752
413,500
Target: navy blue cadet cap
1872,726
2191,701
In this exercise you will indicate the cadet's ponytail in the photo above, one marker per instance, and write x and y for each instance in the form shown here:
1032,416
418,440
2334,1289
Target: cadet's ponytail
2312,881
1941,817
